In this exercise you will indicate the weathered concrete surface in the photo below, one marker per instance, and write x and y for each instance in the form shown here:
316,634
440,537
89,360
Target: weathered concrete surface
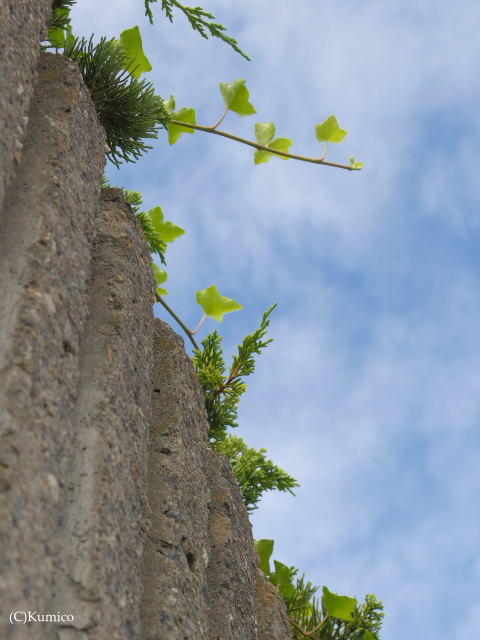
46,233
200,568
104,521
175,591
272,620
22,24
233,562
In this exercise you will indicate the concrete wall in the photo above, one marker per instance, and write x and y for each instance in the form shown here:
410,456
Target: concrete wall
113,507
22,24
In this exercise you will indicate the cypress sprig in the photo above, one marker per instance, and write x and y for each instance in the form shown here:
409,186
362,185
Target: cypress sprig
200,20
128,108
222,391
254,472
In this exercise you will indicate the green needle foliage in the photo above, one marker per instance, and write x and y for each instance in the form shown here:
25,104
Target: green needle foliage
222,391
155,242
254,472
128,108
157,245
200,20
60,18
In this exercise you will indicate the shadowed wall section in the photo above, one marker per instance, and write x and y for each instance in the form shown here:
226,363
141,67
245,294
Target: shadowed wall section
22,24
113,508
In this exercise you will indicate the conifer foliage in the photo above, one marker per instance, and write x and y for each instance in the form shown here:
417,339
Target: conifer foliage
128,108
200,20
222,391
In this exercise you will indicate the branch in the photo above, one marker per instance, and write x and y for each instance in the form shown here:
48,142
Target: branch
261,147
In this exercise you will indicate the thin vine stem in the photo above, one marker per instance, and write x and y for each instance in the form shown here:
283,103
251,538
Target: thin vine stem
261,147
197,328
175,317
219,121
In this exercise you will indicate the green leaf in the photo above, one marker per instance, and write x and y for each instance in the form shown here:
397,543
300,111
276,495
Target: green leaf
215,305
355,165
160,276
281,575
57,35
264,549
287,590
281,144
131,44
185,114
167,231
264,132
329,131
235,96
368,635
69,37
341,607
169,104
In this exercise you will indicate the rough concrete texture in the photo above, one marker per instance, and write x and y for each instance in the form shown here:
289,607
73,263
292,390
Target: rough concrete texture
174,605
272,620
22,25
232,564
46,233
104,520
200,568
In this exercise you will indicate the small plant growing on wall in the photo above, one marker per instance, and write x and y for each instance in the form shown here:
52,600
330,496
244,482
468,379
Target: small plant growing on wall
133,114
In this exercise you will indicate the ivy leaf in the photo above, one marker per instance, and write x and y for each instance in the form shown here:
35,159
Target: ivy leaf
264,549
56,37
281,144
160,276
281,575
287,590
167,231
131,44
69,37
169,104
235,96
355,165
215,305
341,607
185,114
329,131
264,132
368,635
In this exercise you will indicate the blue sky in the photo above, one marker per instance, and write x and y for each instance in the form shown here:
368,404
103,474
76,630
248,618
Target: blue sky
370,393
